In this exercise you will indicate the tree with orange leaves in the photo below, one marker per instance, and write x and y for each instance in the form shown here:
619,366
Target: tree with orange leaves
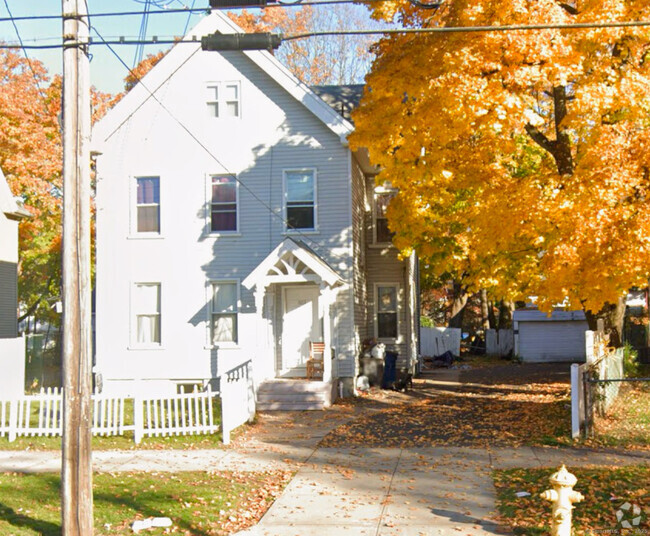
31,159
522,157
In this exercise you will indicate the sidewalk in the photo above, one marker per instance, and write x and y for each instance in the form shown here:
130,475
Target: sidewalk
407,492
439,491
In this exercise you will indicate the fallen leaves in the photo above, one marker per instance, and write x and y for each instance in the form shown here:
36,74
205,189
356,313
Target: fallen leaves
605,490
502,414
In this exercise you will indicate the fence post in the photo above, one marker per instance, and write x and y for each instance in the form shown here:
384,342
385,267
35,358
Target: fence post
226,400
138,420
586,389
575,400
13,419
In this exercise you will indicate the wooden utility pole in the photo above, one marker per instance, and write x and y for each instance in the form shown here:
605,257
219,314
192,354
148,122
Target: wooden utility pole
76,473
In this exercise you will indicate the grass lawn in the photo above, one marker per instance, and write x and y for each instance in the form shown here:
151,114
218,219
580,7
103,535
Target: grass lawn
605,490
199,503
191,442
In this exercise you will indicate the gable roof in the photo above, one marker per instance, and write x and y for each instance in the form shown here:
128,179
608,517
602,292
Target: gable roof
9,205
343,98
291,258
180,53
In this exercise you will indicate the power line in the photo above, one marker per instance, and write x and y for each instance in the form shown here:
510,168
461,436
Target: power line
189,16
29,61
476,29
139,51
387,31
206,149
170,11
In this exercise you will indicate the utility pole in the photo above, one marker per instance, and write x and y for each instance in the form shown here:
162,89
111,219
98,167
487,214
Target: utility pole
76,472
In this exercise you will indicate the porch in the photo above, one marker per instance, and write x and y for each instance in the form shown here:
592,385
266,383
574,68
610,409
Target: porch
295,291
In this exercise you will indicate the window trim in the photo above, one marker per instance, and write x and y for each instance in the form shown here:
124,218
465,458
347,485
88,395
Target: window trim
375,316
133,217
133,338
221,100
209,296
375,193
287,229
208,217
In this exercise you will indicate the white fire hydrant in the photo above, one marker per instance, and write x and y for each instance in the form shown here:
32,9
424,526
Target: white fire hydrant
562,496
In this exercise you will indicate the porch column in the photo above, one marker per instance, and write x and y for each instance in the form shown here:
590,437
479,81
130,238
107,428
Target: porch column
262,331
326,300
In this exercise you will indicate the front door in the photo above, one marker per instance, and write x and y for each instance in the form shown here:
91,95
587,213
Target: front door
300,324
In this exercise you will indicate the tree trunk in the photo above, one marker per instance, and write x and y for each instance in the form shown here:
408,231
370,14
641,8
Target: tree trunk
560,147
505,314
613,315
458,305
485,311
492,319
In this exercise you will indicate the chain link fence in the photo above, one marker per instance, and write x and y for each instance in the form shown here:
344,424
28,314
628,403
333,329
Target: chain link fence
617,408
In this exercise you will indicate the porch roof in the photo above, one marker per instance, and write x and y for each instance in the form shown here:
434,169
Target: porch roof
292,262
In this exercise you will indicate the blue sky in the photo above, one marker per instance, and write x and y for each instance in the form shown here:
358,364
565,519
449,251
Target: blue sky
107,73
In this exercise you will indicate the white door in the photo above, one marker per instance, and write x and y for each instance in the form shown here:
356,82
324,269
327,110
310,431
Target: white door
300,324
552,341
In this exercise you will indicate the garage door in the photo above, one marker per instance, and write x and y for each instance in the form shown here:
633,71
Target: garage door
552,341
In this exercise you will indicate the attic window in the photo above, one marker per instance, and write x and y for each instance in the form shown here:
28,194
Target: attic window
223,99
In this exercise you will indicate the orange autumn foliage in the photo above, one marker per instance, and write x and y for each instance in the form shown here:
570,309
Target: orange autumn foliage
522,157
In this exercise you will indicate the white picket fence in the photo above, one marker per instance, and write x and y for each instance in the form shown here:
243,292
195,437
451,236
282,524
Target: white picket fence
182,414
436,341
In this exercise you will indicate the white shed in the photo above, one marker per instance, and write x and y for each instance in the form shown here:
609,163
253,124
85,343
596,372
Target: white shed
540,338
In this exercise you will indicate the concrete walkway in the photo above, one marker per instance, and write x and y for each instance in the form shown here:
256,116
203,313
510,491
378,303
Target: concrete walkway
407,492
356,491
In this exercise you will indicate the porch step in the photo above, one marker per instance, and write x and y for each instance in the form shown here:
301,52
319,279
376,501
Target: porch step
293,395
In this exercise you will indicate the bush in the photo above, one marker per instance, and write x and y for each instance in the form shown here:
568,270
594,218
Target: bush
630,361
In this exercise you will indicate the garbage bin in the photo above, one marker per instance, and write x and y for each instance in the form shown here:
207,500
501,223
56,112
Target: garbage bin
374,369
390,370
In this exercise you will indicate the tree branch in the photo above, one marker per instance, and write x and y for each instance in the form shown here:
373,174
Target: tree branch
539,138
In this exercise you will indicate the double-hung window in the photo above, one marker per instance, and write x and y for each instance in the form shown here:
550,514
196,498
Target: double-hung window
383,234
147,205
387,310
300,199
224,308
223,99
146,311
223,204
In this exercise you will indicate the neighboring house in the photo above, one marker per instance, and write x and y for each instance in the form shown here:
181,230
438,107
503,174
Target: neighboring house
235,225
543,338
12,348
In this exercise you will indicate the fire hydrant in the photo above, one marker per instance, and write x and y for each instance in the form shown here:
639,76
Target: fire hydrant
562,496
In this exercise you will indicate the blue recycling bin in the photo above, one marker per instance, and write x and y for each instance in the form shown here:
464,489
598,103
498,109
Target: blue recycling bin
390,370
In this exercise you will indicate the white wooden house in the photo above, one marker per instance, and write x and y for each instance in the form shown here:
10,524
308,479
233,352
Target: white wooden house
235,225
12,347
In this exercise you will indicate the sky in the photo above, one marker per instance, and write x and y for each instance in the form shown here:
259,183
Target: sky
107,73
